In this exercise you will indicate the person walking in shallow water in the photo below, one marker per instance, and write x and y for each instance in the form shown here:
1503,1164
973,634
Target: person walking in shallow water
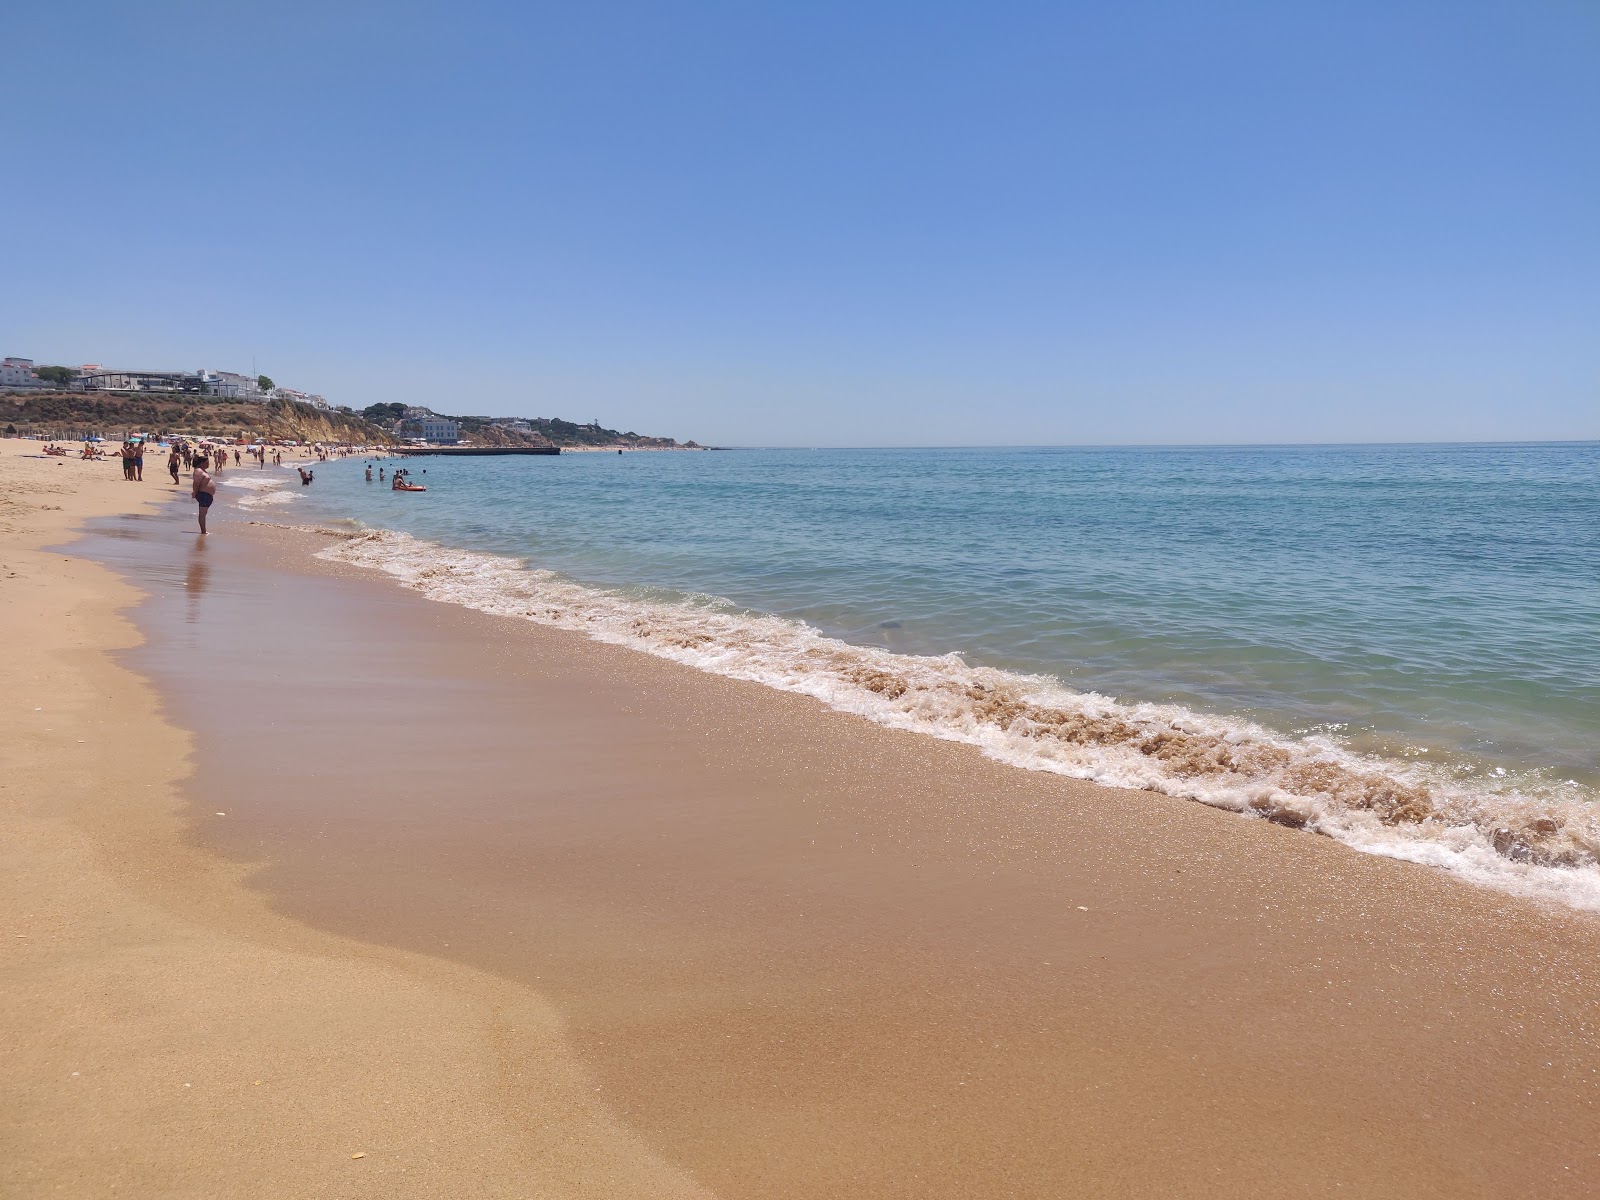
172,465
204,489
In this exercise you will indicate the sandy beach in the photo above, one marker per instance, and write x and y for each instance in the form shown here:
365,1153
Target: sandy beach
167,1033
315,887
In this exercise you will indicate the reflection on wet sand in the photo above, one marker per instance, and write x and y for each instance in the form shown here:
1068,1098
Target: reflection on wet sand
197,578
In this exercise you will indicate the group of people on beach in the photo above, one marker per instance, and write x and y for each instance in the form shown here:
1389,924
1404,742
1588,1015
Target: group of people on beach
206,459
180,454
133,459
200,459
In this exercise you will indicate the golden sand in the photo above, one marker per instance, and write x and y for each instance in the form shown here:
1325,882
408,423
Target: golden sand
510,913
165,1033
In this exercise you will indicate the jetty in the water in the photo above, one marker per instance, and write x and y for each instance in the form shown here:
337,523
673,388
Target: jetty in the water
467,451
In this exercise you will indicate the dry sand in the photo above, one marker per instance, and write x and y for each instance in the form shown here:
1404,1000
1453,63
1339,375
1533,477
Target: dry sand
517,914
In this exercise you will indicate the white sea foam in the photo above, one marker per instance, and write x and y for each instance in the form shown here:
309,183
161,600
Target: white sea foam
1533,842
265,491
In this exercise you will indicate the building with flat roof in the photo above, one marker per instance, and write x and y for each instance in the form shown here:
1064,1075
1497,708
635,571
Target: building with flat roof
18,372
126,379
440,432
231,384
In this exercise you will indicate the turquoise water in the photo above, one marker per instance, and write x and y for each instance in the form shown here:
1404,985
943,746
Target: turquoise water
1444,597
1403,604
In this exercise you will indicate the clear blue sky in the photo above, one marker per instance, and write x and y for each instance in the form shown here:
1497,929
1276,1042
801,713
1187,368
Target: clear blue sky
827,223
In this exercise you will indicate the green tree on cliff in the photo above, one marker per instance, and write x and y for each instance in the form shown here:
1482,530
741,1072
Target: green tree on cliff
60,376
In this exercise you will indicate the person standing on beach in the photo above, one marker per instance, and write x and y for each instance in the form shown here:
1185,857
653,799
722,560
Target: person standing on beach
173,460
138,461
204,488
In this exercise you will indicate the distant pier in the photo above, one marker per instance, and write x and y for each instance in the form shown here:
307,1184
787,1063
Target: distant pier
474,451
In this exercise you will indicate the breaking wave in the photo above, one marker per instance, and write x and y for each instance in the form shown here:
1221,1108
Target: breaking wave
1516,835
265,491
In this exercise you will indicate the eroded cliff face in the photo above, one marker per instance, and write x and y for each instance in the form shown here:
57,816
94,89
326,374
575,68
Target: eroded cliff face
307,424
74,414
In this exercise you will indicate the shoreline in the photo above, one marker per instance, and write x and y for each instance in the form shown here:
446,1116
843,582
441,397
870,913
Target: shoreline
799,954
168,1033
1530,832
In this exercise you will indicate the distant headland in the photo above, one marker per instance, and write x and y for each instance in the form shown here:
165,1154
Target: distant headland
71,402
418,424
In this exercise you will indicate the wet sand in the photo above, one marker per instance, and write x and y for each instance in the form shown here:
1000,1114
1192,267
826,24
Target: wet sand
793,953
165,1033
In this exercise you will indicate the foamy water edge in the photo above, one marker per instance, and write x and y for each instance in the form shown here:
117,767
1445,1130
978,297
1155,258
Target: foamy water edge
265,491
1541,846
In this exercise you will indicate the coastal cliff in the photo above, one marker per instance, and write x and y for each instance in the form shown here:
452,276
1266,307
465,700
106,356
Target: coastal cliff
69,415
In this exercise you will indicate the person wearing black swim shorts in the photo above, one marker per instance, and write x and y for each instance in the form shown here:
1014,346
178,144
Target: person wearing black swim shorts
204,489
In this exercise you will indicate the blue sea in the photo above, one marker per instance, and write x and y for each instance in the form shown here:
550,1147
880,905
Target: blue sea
1398,646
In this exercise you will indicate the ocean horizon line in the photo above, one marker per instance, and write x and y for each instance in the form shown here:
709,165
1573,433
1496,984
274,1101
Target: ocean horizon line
1375,445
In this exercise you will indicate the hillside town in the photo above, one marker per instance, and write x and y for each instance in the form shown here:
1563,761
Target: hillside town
53,400
22,373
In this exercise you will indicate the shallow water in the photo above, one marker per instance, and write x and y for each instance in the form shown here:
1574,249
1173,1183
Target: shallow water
1416,628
